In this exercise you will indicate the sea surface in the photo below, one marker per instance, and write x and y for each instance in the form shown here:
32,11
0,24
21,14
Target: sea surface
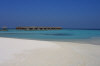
52,35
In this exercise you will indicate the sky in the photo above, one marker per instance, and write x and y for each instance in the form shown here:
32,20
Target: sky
53,13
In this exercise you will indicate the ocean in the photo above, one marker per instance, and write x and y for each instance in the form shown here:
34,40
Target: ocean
52,35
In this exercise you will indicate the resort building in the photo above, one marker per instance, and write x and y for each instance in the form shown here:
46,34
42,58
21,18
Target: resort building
39,28
4,28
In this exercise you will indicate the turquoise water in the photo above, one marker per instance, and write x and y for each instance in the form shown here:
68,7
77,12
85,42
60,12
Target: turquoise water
58,35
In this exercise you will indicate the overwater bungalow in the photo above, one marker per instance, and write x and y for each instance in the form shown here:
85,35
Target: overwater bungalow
38,28
4,28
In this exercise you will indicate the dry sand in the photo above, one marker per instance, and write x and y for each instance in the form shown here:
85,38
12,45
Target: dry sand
21,52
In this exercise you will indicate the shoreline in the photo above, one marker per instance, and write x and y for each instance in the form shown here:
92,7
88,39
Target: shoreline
23,52
93,40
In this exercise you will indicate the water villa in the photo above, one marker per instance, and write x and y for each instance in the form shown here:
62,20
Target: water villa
38,28
4,28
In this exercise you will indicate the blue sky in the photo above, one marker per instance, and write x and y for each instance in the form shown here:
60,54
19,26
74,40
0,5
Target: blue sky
64,13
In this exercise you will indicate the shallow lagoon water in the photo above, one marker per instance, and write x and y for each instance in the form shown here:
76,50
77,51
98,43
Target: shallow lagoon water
52,35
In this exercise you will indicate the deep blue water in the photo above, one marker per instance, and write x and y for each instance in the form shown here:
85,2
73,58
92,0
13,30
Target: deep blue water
58,35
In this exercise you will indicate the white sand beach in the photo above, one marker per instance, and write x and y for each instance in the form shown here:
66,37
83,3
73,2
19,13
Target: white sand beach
22,52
